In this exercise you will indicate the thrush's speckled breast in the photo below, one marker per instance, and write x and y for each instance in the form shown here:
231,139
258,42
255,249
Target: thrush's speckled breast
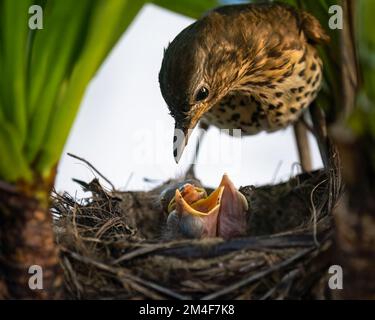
252,66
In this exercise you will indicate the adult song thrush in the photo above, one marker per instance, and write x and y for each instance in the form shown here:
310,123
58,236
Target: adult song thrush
253,66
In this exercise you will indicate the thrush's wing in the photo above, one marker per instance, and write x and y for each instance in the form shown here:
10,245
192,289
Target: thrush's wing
312,28
282,18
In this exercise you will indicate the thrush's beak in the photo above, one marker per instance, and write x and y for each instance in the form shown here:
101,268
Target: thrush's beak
197,219
182,134
180,140
232,221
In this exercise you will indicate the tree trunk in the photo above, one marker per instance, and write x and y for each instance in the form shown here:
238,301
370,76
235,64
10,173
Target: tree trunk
27,239
355,218
355,213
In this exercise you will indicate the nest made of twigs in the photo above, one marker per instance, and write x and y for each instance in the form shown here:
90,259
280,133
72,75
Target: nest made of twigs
112,246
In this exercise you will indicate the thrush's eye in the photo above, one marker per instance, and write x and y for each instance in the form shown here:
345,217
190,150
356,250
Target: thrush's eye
201,94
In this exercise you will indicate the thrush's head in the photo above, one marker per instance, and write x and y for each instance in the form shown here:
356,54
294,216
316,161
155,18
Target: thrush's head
199,68
230,49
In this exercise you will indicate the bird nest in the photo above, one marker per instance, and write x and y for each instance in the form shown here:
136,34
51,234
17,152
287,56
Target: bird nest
112,246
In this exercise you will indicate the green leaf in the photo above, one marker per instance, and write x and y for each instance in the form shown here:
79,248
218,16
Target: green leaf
50,63
13,166
363,119
366,45
45,74
107,22
13,45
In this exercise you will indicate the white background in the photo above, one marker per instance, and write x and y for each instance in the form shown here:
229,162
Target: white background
124,129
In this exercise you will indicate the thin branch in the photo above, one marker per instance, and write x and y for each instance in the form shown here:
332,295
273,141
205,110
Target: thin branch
125,274
286,281
257,276
314,211
196,250
93,168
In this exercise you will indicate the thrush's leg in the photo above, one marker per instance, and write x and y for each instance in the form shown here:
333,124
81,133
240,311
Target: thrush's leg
320,131
300,133
190,173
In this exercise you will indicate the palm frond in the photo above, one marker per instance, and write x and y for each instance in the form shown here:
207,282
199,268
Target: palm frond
45,73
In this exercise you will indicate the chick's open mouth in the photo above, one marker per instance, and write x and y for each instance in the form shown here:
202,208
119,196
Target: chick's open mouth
202,207
195,215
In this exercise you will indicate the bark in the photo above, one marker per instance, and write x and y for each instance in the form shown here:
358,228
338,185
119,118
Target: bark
355,213
350,71
355,218
27,239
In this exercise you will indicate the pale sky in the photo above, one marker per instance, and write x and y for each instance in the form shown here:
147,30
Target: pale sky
123,127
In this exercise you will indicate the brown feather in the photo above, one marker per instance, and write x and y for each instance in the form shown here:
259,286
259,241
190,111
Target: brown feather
258,62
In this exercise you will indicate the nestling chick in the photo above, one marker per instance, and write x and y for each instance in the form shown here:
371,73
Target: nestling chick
194,215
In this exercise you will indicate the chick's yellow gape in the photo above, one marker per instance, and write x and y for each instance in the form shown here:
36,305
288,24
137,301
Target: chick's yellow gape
221,214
